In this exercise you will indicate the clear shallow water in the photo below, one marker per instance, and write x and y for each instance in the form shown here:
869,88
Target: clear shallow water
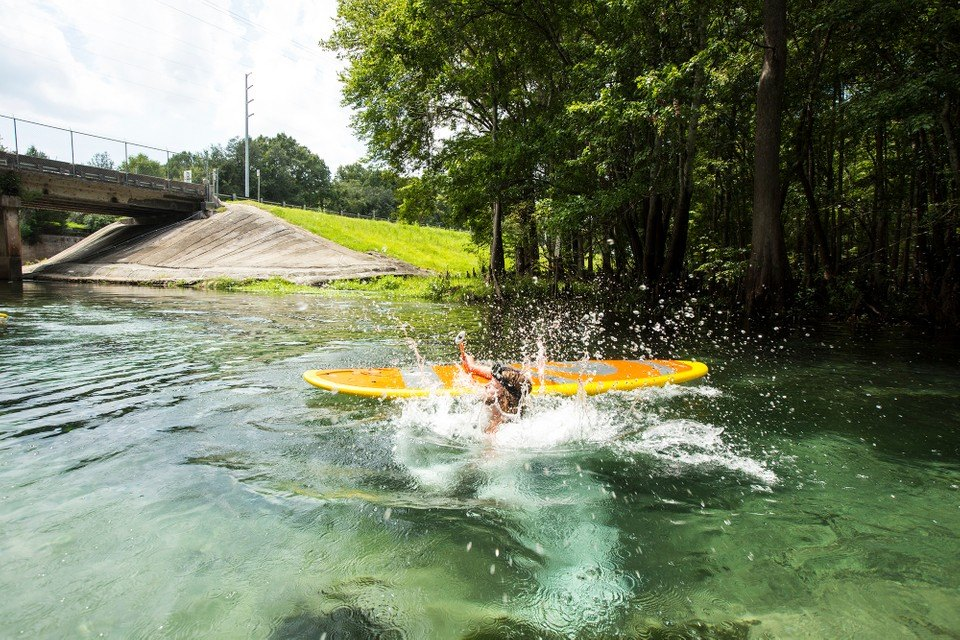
165,472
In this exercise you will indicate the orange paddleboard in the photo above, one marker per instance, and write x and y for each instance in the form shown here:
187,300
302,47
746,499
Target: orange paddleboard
562,378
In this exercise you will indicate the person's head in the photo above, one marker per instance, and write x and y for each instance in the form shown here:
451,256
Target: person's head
506,381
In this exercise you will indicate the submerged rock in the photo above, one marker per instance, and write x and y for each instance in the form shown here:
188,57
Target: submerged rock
342,622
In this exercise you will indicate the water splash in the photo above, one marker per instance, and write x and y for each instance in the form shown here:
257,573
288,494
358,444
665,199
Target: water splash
628,423
682,445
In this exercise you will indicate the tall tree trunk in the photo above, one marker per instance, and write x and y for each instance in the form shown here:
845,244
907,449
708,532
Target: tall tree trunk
841,163
527,251
820,236
590,270
768,274
654,214
653,251
497,264
606,266
673,266
630,227
881,214
947,123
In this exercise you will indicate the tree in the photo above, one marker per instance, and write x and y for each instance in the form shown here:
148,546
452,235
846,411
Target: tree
143,165
633,139
101,160
445,88
199,164
768,274
364,191
291,172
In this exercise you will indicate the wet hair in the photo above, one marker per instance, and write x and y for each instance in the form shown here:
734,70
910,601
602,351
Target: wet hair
509,381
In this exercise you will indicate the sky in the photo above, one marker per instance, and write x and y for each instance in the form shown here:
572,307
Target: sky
170,74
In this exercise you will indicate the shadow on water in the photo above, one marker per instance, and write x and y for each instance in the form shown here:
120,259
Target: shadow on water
347,623
342,622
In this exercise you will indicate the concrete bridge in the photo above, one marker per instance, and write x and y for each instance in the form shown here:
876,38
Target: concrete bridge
41,183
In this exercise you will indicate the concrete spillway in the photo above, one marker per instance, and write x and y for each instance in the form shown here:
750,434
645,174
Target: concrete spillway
242,243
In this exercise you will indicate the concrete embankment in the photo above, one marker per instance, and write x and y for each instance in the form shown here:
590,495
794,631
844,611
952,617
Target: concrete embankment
47,246
242,243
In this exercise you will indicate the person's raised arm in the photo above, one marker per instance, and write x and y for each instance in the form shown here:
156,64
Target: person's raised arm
467,361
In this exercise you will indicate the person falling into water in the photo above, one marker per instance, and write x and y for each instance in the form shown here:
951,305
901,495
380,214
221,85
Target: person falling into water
506,391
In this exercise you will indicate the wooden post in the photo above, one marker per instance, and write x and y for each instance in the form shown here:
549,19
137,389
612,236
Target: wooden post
10,265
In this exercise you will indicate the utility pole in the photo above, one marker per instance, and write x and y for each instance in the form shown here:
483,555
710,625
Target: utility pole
246,134
258,185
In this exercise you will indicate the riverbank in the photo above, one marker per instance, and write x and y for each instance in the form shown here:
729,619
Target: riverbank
429,288
403,261
242,243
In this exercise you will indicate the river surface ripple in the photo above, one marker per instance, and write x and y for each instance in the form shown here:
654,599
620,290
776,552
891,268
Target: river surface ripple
165,473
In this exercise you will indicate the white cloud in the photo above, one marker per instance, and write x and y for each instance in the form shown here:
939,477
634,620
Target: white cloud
170,73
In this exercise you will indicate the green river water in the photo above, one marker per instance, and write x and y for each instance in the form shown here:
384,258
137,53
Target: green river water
166,473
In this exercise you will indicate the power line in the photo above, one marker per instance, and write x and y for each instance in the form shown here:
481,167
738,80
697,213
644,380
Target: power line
127,45
120,60
255,25
244,20
114,78
206,22
167,35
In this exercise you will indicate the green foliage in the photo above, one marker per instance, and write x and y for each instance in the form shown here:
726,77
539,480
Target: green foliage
720,268
440,289
34,222
628,130
422,200
443,289
289,172
30,228
101,160
9,183
89,222
35,153
143,165
365,191
453,89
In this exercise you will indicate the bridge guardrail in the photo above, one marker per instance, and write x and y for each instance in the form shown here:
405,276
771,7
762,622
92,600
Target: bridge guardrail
112,176
73,163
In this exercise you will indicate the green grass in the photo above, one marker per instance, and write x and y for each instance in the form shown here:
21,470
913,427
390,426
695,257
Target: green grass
440,250
440,288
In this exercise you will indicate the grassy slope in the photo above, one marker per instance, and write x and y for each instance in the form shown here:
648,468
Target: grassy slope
440,250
